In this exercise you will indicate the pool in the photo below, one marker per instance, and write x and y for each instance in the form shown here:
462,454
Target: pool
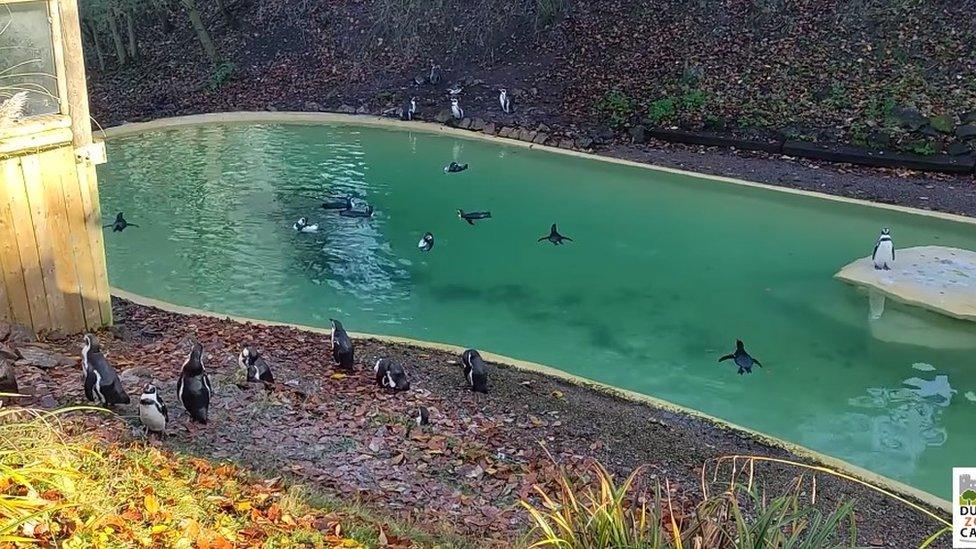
665,271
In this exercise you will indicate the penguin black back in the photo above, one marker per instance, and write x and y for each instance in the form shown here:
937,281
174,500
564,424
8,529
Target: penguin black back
343,351
102,383
555,237
742,359
475,371
120,224
193,387
255,367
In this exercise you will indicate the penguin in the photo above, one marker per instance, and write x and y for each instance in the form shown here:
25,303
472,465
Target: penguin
884,251
338,204
554,236
102,383
454,167
426,243
409,109
741,358
455,90
193,387
302,226
367,213
504,100
343,351
256,368
470,217
120,224
420,79
434,77
456,109
152,412
475,371
423,417
391,375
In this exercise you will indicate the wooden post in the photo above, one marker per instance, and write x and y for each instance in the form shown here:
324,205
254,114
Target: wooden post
74,73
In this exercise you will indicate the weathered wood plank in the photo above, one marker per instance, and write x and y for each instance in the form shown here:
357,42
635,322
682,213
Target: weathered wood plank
23,228
13,274
93,221
81,248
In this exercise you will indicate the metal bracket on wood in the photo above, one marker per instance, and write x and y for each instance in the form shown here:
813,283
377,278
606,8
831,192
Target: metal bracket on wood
94,153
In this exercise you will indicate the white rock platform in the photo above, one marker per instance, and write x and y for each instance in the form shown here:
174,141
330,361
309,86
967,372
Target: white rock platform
937,278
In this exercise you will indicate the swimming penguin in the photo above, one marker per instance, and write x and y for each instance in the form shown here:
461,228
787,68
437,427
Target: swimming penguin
409,109
193,387
120,224
470,217
102,384
256,368
338,204
434,77
504,100
456,109
555,237
454,167
391,375
302,226
455,90
426,243
884,251
742,359
423,417
368,212
342,348
152,411
475,371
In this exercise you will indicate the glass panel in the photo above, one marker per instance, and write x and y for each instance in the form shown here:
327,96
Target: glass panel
27,58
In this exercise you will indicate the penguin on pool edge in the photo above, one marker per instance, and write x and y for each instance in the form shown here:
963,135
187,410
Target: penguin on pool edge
193,387
101,381
741,358
883,256
504,100
343,351
426,243
475,371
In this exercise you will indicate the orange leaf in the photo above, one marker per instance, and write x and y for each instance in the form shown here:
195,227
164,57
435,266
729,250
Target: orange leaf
221,543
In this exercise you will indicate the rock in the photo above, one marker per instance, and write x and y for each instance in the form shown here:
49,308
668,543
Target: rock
968,118
490,128
929,131
506,132
465,123
958,148
48,401
565,143
879,139
909,117
540,138
312,106
941,123
4,331
584,142
443,116
138,376
527,135
638,134
967,131
347,109
271,108
42,358
8,352
544,129
362,110
478,124
8,380
20,334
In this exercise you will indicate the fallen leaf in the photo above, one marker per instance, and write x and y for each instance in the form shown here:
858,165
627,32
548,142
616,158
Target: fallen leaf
152,506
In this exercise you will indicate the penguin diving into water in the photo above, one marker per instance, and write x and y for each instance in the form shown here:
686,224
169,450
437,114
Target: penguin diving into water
409,109
454,167
426,243
475,372
120,224
471,217
193,387
555,237
504,100
367,213
884,251
456,109
256,368
338,204
391,375
741,359
302,226
342,348
102,384
152,411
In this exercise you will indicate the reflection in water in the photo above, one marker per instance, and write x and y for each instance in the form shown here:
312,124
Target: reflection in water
876,303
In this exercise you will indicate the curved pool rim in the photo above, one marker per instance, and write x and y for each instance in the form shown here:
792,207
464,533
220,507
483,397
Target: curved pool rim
327,118
899,488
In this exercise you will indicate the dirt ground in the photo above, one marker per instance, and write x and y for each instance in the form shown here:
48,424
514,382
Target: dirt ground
463,473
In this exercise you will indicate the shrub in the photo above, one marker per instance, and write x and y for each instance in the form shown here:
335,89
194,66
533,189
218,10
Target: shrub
617,107
662,110
223,74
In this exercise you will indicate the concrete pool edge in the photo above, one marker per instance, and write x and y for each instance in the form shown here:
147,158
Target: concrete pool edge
798,450
323,118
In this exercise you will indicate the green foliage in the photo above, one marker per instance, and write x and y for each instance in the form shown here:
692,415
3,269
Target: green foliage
548,12
617,107
837,97
662,110
223,74
694,99
942,123
969,496
924,148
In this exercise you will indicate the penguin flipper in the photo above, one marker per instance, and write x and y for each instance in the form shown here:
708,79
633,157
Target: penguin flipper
757,363
470,221
566,238
541,238
726,357
874,254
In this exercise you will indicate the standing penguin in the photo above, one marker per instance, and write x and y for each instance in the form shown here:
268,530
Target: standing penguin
255,367
152,412
884,251
120,224
193,387
409,109
741,359
343,351
475,371
456,109
434,77
423,417
102,384
554,236
426,243
504,100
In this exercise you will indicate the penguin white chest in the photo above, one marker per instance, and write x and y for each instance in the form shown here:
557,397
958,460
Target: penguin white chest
884,256
151,417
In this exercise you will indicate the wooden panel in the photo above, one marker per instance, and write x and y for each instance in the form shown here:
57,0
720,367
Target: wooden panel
81,249
93,221
13,274
20,215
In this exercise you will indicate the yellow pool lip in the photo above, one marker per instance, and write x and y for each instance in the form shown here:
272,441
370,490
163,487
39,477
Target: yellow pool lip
802,452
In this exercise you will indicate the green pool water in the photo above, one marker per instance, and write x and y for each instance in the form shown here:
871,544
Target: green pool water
665,272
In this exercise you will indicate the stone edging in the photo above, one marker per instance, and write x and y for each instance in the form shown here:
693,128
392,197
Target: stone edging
800,451
312,118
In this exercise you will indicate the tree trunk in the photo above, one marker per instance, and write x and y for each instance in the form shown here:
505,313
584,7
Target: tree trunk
113,26
93,36
201,30
130,27
165,17
226,14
